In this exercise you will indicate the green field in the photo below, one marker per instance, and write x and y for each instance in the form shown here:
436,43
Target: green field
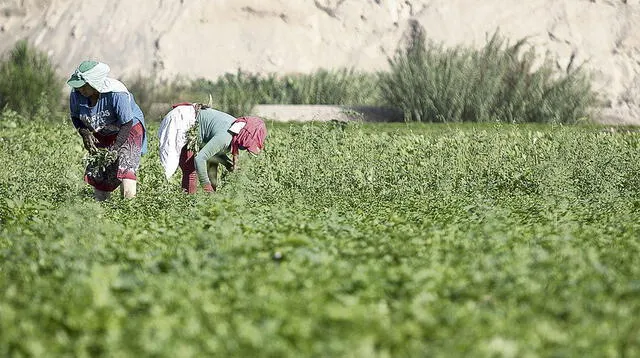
396,241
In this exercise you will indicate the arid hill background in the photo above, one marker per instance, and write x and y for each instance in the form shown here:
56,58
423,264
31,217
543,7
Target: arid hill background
206,38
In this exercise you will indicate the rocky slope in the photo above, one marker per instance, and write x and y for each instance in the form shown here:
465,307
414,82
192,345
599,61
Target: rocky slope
205,38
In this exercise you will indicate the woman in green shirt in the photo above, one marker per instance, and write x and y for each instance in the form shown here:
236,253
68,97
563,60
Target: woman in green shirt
214,141
197,139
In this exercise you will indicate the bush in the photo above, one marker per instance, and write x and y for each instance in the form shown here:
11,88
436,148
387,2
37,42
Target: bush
28,81
500,82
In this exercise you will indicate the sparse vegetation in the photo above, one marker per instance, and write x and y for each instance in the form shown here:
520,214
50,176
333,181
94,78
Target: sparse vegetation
28,81
239,92
501,82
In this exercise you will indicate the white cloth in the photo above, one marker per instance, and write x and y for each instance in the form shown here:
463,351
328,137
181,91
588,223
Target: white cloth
97,78
236,127
173,136
113,85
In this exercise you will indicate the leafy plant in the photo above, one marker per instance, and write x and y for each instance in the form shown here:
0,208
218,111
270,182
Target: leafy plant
342,86
238,93
193,138
100,160
28,81
499,83
337,240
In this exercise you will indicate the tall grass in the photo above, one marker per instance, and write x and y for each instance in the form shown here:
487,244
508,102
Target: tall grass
342,86
500,82
239,92
235,94
28,81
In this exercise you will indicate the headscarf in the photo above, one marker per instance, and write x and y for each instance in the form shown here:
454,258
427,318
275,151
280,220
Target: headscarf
95,74
251,137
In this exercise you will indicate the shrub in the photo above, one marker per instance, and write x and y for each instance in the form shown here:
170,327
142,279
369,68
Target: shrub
500,82
28,81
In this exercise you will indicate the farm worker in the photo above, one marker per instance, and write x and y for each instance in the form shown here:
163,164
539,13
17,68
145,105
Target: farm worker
107,116
198,139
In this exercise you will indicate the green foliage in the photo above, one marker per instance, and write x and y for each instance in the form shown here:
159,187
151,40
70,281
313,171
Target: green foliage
233,94
341,87
100,160
28,81
498,83
402,241
501,82
239,92
193,137
10,118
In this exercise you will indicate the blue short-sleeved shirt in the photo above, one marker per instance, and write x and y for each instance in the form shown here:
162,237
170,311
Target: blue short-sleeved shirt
112,110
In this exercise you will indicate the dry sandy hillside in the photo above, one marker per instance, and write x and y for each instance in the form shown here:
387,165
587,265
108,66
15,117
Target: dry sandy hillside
206,38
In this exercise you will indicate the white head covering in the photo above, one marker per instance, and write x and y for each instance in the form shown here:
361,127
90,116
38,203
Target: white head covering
97,78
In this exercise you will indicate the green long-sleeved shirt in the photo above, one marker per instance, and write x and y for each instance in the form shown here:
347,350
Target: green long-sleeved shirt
215,137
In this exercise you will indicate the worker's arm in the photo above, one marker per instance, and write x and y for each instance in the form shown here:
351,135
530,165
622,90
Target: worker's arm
216,145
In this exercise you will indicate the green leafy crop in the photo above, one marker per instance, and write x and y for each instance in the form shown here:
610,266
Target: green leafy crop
359,240
100,160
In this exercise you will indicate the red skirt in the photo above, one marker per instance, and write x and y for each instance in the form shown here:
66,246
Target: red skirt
123,168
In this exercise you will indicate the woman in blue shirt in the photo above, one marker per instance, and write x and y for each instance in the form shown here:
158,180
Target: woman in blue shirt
106,116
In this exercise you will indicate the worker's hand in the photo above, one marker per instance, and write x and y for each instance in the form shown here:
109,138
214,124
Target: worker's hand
88,140
209,188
